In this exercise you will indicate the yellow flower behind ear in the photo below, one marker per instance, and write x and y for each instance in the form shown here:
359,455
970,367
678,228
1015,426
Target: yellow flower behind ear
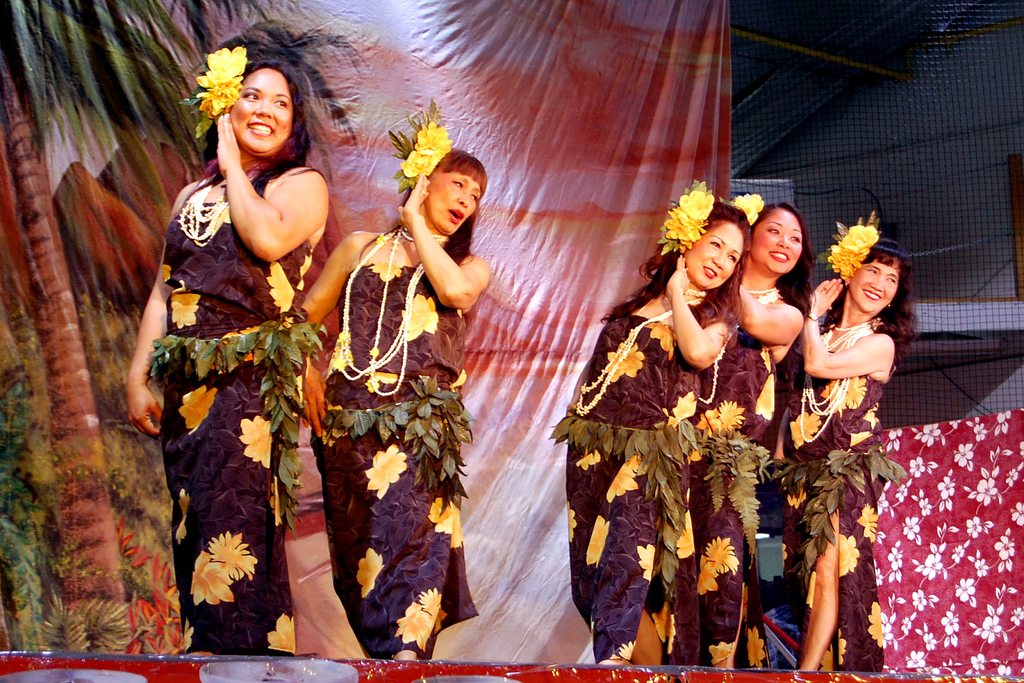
848,554
750,204
423,317
598,537
195,406
280,289
369,568
257,439
432,143
283,636
184,306
222,81
847,256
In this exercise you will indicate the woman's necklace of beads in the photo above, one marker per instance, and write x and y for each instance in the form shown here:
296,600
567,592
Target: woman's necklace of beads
198,223
766,297
602,382
342,358
847,337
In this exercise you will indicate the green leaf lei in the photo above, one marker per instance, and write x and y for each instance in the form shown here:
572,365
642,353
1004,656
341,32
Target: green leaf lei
432,426
664,453
279,348
824,480
734,458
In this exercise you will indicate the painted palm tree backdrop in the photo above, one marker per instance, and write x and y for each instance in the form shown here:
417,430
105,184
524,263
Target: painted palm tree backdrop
633,104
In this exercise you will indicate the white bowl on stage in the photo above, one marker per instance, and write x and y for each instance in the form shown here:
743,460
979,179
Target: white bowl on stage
282,670
72,676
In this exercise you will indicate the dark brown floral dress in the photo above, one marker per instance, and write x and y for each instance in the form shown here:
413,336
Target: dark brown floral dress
394,528
843,469
227,522
627,478
740,410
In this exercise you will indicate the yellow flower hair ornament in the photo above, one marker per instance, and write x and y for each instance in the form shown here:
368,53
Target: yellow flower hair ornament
687,219
852,245
750,204
219,87
421,153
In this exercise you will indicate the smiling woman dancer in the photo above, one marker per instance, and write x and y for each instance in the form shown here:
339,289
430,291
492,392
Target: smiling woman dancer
775,297
391,417
627,477
835,465
236,251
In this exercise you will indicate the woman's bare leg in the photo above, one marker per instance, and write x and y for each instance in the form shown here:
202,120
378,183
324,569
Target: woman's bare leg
821,627
647,649
406,656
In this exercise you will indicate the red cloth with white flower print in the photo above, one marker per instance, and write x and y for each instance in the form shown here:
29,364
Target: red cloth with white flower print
949,570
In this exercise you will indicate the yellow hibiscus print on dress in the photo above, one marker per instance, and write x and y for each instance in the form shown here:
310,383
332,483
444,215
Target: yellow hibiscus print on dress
369,568
807,423
303,269
720,653
625,480
572,521
626,651
666,337
283,636
875,624
685,407
859,437
385,273
386,469
869,520
195,406
210,581
795,500
725,418
765,406
184,306
684,544
257,439
848,554
587,460
757,649
447,520
721,556
418,623
598,537
229,550
631,364
423,317
645,558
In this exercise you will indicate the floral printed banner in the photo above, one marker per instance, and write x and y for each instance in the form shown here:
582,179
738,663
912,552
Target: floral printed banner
948,570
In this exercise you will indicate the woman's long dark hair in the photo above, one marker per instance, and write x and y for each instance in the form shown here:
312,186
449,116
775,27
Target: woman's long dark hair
291,155
720,303
897,319
795,286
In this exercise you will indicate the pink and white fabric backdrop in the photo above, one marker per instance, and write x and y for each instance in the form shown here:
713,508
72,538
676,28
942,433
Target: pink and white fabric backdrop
950,550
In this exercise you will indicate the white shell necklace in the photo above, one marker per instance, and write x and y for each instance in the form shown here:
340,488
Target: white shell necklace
766,297
199,222
834,400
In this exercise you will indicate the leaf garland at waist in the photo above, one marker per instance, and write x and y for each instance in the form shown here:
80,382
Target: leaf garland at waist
663,452
822,480
434,425
732,457
278,348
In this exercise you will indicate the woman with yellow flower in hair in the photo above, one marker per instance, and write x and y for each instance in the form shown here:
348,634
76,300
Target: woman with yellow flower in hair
835,464
775,297
228,294
629,435
390,420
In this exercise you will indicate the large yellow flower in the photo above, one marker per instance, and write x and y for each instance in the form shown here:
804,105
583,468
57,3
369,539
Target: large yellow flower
418,623
598,537
720,556
280,288
695,205
184,306
625,480
369,569
210,581
685,407
631,363
432,143
875,624
645,555
848,554
847,256
720,652
869,520
750,204
706,581
666,336
386,469
725,418
447,520
387,274
283,636
195,406
257,439
765,406
626,651
684,544
806,423
222,82
233,554
757,649
423,317
588,460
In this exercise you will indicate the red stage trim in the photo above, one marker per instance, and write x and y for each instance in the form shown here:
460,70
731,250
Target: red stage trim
179,669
